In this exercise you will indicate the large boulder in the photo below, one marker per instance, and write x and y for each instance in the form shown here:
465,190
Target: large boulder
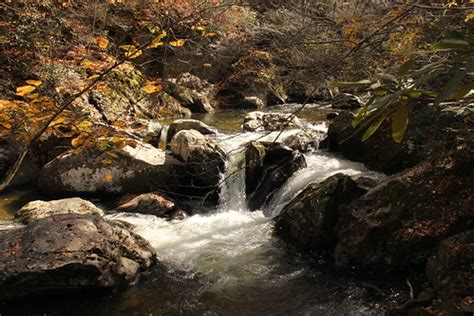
40,209
204,163
252,83
451,273
110,166
450,268
188,124
268,166
401,221
268,121
308,222
70,252
430,132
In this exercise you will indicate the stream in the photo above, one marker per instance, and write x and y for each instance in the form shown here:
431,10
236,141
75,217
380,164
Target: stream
227,261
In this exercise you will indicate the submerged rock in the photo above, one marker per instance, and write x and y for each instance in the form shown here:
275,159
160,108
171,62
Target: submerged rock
70,252
189,124
268,166
308,221
40,209
111,166
268,121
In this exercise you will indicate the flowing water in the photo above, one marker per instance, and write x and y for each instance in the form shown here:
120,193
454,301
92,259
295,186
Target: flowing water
227,262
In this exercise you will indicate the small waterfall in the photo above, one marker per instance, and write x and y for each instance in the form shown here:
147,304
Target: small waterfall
163,137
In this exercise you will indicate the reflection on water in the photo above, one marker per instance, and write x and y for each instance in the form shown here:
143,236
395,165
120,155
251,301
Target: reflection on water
12,201
231,120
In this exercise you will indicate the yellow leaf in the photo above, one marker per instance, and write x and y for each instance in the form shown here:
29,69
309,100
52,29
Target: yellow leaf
133,54
469,17
85,126
24,90
107,161
35,83
198,28
111,154
178,43
157,40
151,87
79,140
59,89
33,96
102,42
210,34
108,178
207,65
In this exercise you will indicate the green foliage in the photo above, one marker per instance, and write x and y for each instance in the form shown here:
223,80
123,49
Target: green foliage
451,58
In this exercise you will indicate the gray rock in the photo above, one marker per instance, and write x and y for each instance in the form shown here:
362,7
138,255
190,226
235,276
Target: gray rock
268,121
70,252
308,221
40,209
268,166
304,140
192,92
204,162
189,124
106,168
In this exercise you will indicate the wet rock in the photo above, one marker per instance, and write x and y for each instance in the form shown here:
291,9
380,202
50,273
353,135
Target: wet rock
346,101
401,220
204,162
189,124
268,166
40,209
262,121
252,83
70,252
29,170
154,203
308,221
304,140
110,166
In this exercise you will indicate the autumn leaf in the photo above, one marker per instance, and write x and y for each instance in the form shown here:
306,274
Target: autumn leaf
207,65
79,140
35,83
102,42
106,161
178,43
131,51
151,87
108,178
24,90
156,42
